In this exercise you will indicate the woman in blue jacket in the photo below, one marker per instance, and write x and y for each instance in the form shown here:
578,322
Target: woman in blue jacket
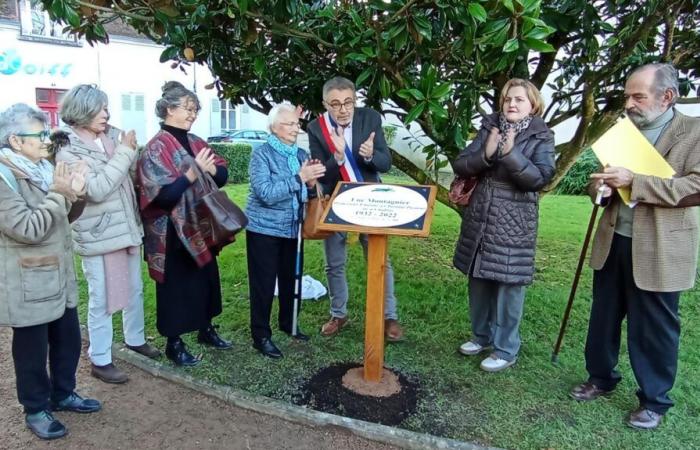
280,173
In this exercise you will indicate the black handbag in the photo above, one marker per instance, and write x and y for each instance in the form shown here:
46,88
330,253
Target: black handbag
221,218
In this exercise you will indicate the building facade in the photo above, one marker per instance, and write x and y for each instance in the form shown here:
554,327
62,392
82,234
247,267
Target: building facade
39,63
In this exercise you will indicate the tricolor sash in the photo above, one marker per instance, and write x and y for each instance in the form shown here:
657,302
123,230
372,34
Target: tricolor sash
348,171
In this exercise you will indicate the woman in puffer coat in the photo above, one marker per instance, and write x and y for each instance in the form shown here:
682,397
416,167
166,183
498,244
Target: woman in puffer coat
513,158
108,234
38,287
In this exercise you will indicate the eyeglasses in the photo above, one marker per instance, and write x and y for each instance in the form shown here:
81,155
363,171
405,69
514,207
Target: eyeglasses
291,124
337,106
43,135
192,111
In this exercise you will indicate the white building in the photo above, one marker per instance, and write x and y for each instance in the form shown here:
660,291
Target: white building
38,63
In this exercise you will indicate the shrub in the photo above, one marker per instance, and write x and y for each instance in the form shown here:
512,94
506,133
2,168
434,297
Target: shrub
576,179
237,157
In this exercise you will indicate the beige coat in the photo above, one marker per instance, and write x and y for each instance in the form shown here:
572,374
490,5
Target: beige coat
37,275
111,220
665,227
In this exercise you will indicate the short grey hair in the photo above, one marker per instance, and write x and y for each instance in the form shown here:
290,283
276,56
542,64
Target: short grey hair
665,78
81,104
274,113
339,84
15,119
173,91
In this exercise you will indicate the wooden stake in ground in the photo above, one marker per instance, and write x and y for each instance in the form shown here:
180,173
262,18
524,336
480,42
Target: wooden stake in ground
374,316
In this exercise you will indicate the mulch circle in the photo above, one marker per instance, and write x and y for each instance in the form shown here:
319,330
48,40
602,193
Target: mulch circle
325,392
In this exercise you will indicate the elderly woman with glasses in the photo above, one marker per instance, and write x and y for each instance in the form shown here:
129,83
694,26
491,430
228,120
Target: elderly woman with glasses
108,234
280,173
171,173
38,288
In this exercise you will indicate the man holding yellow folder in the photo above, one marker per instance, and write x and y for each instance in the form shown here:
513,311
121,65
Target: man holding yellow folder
644,253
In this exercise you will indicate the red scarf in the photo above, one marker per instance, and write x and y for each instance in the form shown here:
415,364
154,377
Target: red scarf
162,162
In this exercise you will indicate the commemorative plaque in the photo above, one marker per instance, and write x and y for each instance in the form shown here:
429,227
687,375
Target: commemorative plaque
378,210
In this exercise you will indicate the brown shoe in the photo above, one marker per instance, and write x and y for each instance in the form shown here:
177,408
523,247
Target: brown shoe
333,326
644,419
587,391
145,349
393,331
109,374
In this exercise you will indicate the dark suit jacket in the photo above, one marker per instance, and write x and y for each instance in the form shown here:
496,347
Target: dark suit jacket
364,121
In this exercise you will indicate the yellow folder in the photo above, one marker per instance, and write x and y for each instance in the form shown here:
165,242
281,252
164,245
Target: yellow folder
624,145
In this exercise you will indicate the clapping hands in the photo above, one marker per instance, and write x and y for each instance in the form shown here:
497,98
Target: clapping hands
311,170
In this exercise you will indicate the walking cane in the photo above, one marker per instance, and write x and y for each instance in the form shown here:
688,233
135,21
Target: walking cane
298,270
577,276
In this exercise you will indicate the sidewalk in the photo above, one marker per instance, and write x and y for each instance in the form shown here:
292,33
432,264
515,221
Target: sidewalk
151,413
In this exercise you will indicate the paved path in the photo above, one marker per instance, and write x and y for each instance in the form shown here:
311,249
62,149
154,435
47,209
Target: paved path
151,413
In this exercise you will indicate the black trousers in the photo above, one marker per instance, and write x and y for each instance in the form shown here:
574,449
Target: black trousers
653,330
271,258
60,341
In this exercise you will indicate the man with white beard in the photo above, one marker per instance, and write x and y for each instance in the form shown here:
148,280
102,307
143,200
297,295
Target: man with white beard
644,256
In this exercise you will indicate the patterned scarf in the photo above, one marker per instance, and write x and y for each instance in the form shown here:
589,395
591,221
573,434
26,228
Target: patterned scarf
504,126
162,161
39,173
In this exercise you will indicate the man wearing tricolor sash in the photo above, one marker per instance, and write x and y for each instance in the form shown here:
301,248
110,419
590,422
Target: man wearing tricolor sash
350,142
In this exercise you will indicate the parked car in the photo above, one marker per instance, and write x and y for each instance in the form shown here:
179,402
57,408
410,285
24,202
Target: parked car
252,137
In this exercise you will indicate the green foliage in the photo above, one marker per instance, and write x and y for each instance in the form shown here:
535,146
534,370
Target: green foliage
435,63
237,157
577,178
389,134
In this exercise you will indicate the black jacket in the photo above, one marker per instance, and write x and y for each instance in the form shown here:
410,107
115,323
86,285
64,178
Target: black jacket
499,227
364,121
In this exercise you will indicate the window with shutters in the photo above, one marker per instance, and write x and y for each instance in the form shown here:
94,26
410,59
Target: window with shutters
134,115
227,115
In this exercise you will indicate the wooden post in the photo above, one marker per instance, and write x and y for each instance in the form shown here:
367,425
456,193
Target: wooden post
374,316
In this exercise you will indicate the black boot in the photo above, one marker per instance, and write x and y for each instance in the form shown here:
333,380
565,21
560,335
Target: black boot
176,352
210,337
299,336
44,425
267,348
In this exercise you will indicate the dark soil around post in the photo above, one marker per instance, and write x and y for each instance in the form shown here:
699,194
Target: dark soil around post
325,392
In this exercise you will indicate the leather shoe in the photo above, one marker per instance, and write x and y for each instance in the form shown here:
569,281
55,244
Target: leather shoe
393,331
333,326
109,374
210,337
176,351
145,349
299,336
267,348
644,419
44,425
77,404
587,391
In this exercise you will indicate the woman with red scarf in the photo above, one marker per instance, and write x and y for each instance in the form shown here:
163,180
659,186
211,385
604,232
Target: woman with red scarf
188,288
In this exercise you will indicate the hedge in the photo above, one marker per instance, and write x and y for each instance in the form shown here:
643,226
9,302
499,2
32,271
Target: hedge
237,157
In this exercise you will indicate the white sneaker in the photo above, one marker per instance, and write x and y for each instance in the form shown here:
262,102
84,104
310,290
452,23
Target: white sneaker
470,348
495,364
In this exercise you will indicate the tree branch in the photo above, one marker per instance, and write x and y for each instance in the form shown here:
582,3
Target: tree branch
421,177
122,12
688,100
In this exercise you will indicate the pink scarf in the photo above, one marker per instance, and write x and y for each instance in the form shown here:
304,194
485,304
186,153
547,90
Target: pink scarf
116,263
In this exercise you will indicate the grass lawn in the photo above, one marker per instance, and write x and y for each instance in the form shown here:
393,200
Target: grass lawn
526,406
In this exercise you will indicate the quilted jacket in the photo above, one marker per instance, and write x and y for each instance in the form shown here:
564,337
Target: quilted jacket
499,226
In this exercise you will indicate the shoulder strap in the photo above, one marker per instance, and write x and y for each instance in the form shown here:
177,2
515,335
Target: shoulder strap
8,177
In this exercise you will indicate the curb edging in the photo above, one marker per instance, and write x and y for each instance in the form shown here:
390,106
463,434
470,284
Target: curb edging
297,414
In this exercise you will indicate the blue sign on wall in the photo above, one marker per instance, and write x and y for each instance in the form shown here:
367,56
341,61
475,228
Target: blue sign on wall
11,63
